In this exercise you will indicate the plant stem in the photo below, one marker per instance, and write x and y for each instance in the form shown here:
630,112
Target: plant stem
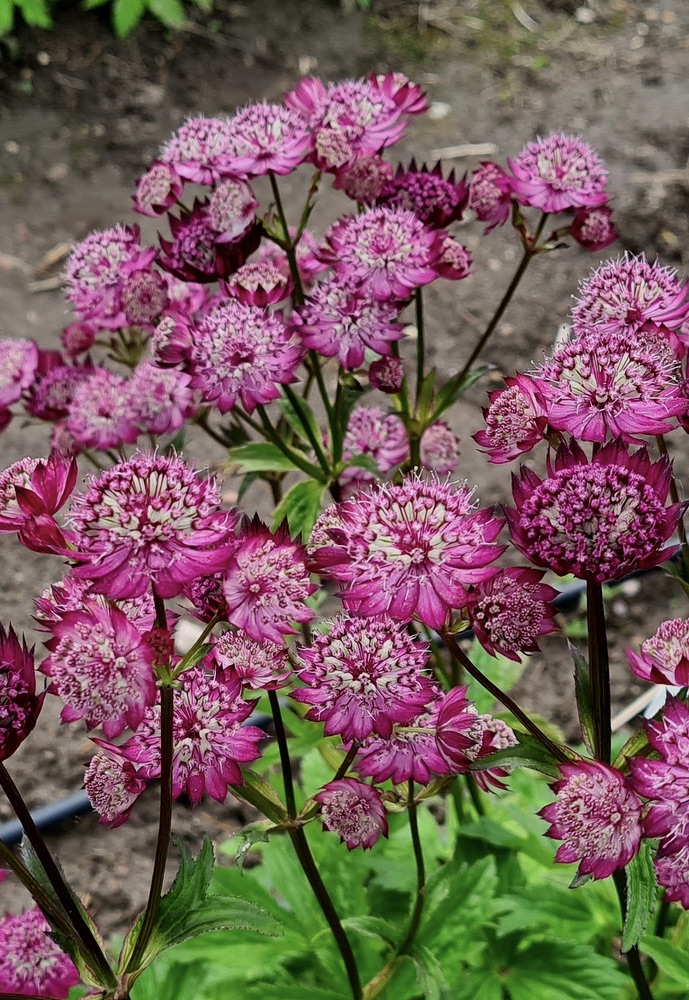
54,875
531,727
42,897
298,294
415,920
599,670
347,762
303,852
308,430
474,793
633,957
420,343
301,463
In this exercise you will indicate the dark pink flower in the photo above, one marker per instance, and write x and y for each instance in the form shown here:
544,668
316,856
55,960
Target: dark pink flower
593,228
490,194
32,487
100,665
597,817
515,420
199,150
434,199
258,284
113,785
196,253
267,138
439,449
386,250
458,730
18,365
266,584
150,521
50,398
363,676
386,375
20,706
31,963
558,174
406,95
231,209
598,519
672,872
172,340
496,735
407,550
99,413
160,399
511,610
665,782
664,658
77,338
365,180
260,666
16,475
410,754
158,190
454,261
206,596
242,352
354,811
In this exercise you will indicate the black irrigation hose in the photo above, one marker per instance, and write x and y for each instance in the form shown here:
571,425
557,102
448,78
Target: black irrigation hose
73,806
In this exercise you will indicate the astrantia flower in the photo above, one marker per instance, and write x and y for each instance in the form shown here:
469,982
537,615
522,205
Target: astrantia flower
598,519
458,730
50,398
439,449
606,385
386,250
267,138
625,294
597,817
258,284
113,785
150,521
172,340
160,399
515,420
363,676
158,190
672,872
18,364
195,253
434,199
558,174
407,550
410,754
365,180
96,272
18,474
144,297
490,195
511,610
261,666
206,596
386,375
454,260
209,740
231,209
354,811
496,735
101,667
266,584
99,415
244,353
19,703
338,319
31,963
371,431
34,486
407,95
77,338
664,658
199,150
593,228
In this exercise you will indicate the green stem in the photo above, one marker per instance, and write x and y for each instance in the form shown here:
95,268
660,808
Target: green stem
474,793
312,471
599,671
46,902
420,344
298,294
633,957
308,430
405,946
285,761
325,398
347,762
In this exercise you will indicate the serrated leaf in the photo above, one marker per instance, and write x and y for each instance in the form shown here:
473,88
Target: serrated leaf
300,507
528,752
126,14
642,894
452,390
670,959
582,689
259,793
553,970
260,456
429,975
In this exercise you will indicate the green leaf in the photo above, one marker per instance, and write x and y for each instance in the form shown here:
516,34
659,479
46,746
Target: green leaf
544,906
6,17
559,970
260,456
283,991
429,975
91,4
294,420
452,390
642,893
636,746
528,752
423,408
169,12
300,507
582,689
259,793
362,461
35,13
670,959
126,14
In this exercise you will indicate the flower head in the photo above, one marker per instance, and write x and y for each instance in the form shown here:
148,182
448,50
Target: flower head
260,666
593,228
434,199
410,753
490,194
559,173
99,415
597,817
206,596
363,676
19,704
458,730
511,610
515,420
354,811
373,432
439,449
50,398
198,252
454,261
364,181
158,190
672,872
113,785
598,519
200,150
664,658
260,283
150,521
231,209
386,375
144,296
160,399
31,963
33,486
407,550
18,366
267,138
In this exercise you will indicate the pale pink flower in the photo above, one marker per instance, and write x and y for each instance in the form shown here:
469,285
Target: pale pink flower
199,150
407,550
99,414
354,811
260,666
31,963
490,195
380,435
664,658
267,138
266,584
511,610
596,815
558,174
20,706
160,399
386,375
242,353
113,785
363,676
672,872
18,365
454,261
410,753
172,340
598,519
150,521
365,180
515,421
439,449
231,209
258,284
100,665
386,250
593,228
144,296
406,95
157,190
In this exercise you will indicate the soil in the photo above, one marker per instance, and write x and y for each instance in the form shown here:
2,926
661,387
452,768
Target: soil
83,115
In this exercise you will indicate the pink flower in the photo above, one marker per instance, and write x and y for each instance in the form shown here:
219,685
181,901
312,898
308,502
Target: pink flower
558,174
18,475
20,706
373,432
198,252
339,319
664,658
231,209
407,550
365,180
435,200
150,521
258,284
50,398
31,963
593,228
406,95
267,138
34,486
665,782
511,610
260,666
604,385
144,297
363,676
386,375
209,740
160,399
77,338
113,785
99,413
354,811
18,365
458,730
454,262
200,150
266,584
306,252
410,754
490,194
625,294
597,817
206,596
158,190
515,420
598,519
672,872
496,736
242,352
439,449
70,594
172,340
101,667
386,250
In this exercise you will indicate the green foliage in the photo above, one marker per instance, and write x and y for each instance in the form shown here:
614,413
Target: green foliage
642,896
126,15
36,13
300,507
